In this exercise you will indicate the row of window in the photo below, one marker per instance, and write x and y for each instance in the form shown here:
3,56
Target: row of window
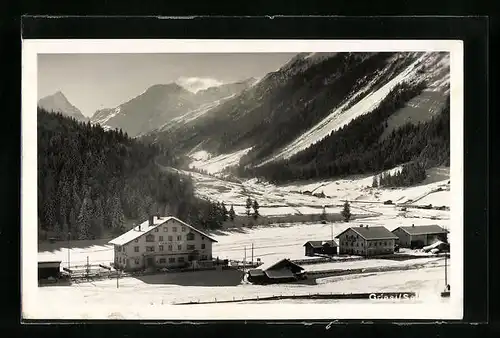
345,243
174,229
169,247
151,238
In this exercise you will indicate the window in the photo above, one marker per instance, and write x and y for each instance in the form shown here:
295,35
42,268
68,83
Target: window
118,248
165,229
150,238
190,247
385,243
174,229
170,238
124,248
156,230
190,236
179,247
136,249
183,229
137,241
203,257
179,238
203,245
202,238
137,261
375,243
160,248
361,243
170,247
163,260
160,239
171,260
150,249
357,243
180,259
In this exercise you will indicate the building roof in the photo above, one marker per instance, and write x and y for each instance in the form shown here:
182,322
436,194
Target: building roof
277,274
319,244
49,262
271,264
371,232
144,227
423,229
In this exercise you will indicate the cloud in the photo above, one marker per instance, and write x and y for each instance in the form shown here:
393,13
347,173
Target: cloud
195,84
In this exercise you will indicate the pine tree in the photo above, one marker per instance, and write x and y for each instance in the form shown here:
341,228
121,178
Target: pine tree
255,207
232,214
118,219
346,212
97,224
84,219
224,212
323,215
248,206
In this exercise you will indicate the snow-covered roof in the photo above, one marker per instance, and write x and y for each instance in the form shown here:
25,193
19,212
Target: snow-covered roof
283,273
318,244
144,228
423,229
371,232
271,264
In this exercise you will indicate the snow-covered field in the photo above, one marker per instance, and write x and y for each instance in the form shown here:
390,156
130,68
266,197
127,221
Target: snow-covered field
136,299
149,297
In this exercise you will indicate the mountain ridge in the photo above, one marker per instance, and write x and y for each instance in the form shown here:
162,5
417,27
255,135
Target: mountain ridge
59,103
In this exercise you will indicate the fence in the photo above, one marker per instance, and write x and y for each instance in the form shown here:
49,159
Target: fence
333,296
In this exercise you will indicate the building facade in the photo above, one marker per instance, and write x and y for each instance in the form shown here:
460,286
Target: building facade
162,242
419,236
366,241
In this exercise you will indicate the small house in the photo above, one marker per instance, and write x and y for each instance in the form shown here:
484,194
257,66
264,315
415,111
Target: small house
313,248
49,269
416,237
366,241
281,271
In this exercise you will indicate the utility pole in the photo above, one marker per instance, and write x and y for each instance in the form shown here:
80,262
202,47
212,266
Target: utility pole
117,278
69,237
244,259
87,269
252,253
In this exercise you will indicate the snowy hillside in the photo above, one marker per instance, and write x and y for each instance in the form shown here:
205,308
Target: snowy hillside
58,103
435,65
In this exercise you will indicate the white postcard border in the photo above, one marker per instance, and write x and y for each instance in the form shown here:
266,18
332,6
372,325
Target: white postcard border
32,309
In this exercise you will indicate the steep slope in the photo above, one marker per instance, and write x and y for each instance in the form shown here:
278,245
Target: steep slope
161,103
285,103
58,103
433,68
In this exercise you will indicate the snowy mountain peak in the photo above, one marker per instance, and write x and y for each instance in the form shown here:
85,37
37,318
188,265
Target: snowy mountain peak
58,103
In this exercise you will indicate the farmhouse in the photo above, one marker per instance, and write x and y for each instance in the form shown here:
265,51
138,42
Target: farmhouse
366,241
320,247
419,236
281,271
162,242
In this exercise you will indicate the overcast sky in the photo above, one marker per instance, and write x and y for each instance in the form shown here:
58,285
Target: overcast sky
95,81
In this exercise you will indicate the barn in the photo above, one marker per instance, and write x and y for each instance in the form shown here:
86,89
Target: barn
281,271
313,248
49,269
416,237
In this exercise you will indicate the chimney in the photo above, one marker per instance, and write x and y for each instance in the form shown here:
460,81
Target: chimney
361,225
158,216
413,225
151,219
139,227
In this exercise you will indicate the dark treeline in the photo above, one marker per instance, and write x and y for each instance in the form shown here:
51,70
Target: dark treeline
357,148
92,182
410,174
